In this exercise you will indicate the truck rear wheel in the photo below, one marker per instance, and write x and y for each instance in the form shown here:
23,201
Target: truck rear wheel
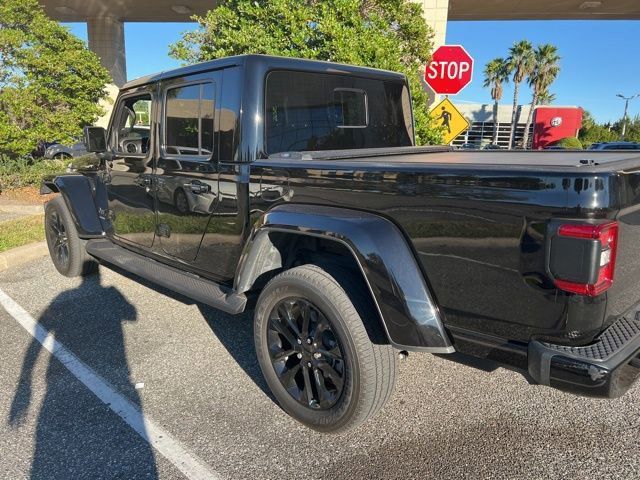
327,367
65,247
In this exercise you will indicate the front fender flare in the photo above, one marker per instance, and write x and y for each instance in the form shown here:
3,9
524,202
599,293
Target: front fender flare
77,192
409,313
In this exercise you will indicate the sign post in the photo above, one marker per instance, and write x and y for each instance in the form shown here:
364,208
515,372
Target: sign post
448,72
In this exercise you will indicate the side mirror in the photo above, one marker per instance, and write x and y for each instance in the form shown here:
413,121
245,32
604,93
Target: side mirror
95,139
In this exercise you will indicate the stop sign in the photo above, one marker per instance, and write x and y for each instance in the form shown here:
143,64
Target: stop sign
449,70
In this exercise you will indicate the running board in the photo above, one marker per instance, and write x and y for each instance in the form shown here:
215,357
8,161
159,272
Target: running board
187,284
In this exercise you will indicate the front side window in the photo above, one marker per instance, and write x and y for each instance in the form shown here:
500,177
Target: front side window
318,111
188,124
131,131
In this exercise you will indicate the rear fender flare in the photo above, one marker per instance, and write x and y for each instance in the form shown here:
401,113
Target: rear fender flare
398,287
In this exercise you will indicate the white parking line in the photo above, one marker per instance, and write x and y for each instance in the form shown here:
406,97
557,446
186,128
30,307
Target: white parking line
171,449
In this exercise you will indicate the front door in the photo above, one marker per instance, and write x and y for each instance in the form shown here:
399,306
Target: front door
130,180
187,180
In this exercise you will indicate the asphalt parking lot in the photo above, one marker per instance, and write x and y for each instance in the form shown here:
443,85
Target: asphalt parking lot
203,390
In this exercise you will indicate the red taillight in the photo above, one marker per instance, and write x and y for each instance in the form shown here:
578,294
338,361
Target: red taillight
607,235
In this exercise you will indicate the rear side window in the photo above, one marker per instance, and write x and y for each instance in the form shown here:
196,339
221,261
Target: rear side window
350,108
315,111
188,121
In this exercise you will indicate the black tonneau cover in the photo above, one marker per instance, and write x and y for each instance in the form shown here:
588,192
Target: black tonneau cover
588,160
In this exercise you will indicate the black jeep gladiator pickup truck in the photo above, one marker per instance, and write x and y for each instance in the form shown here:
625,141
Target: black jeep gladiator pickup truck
295,187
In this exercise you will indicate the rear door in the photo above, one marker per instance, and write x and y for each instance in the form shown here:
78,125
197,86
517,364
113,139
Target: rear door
187,177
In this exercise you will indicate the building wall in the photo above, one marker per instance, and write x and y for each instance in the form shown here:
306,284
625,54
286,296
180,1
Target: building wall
555,123
480,116
541,134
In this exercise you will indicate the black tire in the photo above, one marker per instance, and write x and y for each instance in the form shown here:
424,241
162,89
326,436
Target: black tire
66,249
181,202
367,368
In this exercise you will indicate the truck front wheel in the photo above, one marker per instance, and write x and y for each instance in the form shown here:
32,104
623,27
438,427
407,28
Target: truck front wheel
65,247
322,351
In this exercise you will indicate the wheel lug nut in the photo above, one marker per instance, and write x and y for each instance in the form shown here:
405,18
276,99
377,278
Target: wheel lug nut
299,356
316,355
299,342
309,364
308,341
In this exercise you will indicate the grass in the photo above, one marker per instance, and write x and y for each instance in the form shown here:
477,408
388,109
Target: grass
135,223
21,231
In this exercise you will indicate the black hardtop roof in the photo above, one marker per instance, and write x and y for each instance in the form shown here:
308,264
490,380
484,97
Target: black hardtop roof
270,62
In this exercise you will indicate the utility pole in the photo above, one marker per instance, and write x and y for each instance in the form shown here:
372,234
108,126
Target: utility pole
626,107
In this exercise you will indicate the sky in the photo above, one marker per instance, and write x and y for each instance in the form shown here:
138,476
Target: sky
599,58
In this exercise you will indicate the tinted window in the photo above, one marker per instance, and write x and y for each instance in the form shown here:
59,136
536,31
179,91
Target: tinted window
189,120
312,111
349,108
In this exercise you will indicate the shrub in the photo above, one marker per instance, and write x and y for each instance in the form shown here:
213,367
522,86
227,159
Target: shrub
24,172
569,142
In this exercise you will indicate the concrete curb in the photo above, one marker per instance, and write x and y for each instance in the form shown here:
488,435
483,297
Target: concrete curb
19,255
22,209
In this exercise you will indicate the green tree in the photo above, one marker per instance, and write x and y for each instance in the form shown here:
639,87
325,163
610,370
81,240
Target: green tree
546,98
632,132
569,142
592,132
496,73
542,75
521,60
387,34
50,83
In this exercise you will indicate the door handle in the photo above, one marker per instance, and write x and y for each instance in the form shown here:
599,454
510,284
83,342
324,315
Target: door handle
144,181
197,186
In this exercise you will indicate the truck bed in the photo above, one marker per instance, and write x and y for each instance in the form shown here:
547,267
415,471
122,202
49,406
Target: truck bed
477,221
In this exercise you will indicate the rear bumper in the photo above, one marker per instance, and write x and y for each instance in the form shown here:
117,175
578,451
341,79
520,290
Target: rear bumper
605,368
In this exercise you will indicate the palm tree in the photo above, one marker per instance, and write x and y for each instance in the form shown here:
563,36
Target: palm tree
546,98
521,60
496,72
544,72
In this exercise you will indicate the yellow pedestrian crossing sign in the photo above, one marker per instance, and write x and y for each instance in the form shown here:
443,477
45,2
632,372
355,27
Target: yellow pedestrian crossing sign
446,116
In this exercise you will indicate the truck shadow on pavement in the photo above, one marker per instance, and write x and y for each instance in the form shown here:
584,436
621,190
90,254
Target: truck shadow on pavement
235,332
236,335
76,435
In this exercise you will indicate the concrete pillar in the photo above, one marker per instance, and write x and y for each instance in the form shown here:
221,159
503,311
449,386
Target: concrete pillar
436,13
106,39
107,105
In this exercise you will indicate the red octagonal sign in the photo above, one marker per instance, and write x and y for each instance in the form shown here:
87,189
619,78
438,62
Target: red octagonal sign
450,70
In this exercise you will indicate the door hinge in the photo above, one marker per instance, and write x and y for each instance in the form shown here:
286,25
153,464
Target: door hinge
106,213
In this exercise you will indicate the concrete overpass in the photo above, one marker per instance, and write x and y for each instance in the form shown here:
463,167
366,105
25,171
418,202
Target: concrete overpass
105,18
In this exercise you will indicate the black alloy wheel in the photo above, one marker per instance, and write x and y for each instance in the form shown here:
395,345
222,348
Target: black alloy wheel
58,239
181,202
322,351
305,353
